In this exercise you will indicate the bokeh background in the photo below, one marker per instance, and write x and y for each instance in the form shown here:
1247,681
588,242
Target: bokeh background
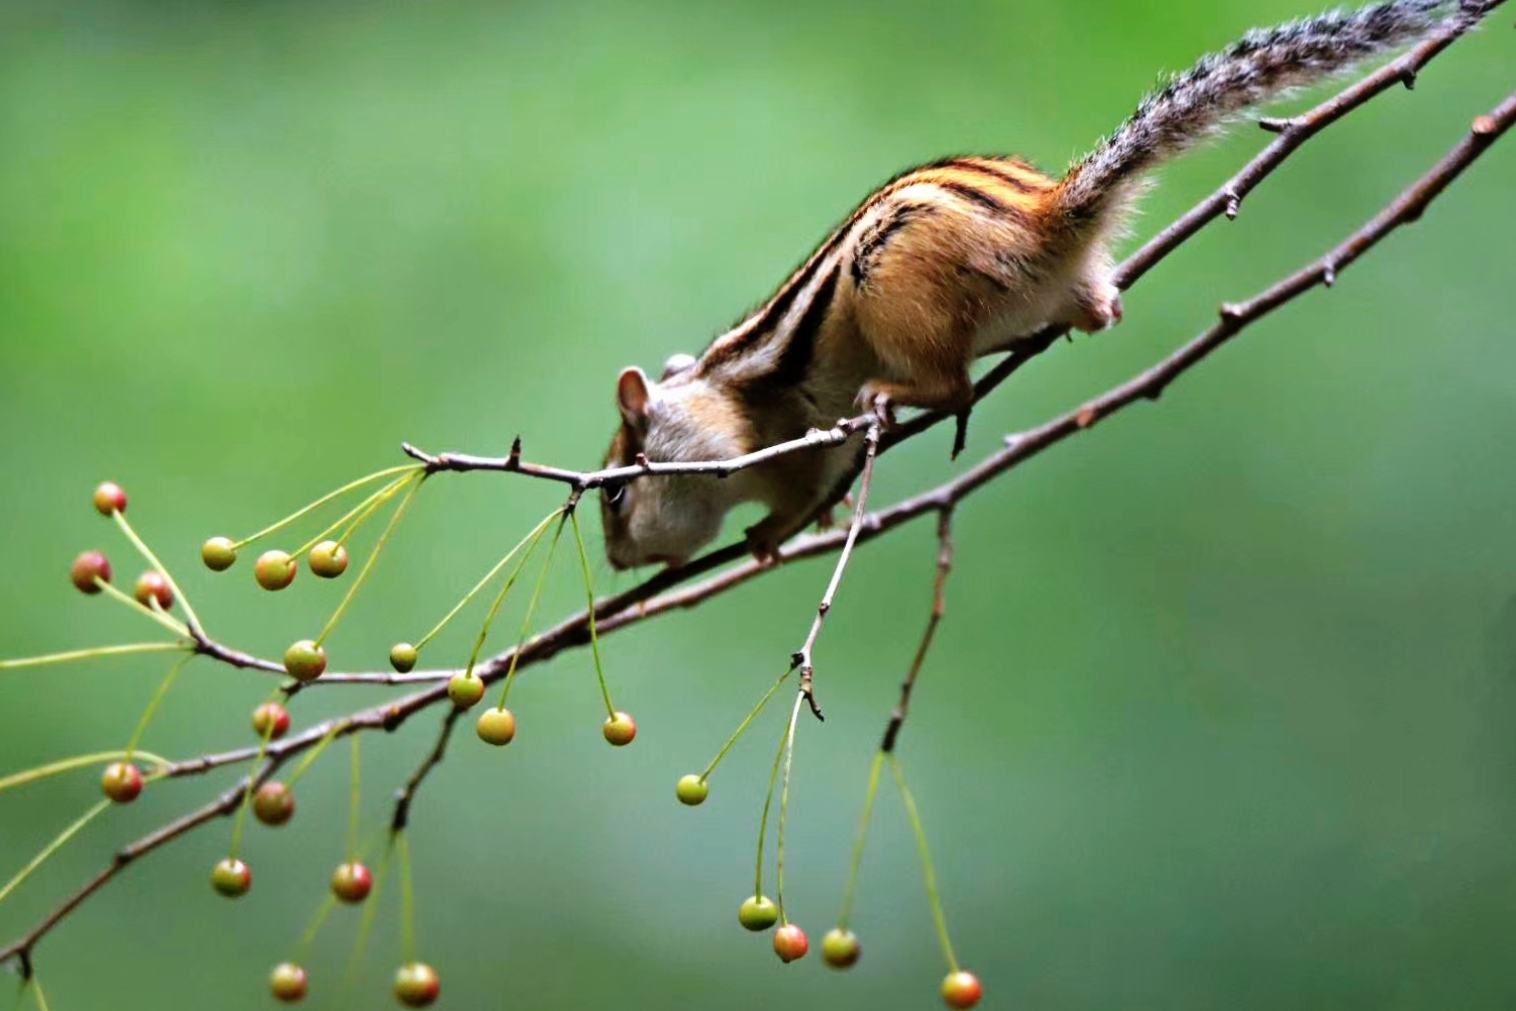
1223,711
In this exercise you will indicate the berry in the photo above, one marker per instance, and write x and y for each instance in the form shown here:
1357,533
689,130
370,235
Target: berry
274,803
328,559
218,553
403,657
305,660
351,882
288,982
417,985
961,990
122,782
275,570
271,713
496,726
109,498
619,729
87,568
758,913
153,586
692,790
465,690
840,948
231,877
790,943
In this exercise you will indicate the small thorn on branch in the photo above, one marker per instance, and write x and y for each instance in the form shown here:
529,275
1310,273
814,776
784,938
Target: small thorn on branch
1408,78
514,460
1484,127
1329,273
1233,203
1230,312
1280,124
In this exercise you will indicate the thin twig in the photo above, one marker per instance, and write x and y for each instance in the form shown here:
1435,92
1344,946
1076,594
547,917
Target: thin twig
939,608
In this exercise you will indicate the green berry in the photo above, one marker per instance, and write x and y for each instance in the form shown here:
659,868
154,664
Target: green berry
840,948
305,660
351,882
417,985
109,498
122,782
758,913
961,990
465,690
496,726
790,943
288,982
153,586
218,554
87,568
271,714
231,877
275,570
403,657
274,803
328,559
692,790
619,729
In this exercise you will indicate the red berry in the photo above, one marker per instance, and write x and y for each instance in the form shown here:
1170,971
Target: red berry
109,498
465,690
417,985
351,882
758,913
840,948
271,713
275,570
961,990
274,803
403,657
496,726
153,586
328,559
231,877
218,554
619,729
305,660
692,789
790,943
288,981
87,568
122,782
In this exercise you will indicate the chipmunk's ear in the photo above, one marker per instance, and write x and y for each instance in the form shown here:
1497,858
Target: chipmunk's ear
632,397
677,364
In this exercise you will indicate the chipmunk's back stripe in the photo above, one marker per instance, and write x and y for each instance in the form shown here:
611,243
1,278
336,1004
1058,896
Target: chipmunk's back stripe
975,195
874,239
795,360
1026,180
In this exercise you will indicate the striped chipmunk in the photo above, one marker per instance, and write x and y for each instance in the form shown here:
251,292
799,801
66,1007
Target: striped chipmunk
940,265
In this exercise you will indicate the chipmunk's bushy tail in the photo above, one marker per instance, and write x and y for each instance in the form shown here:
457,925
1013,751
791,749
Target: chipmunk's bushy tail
1265,62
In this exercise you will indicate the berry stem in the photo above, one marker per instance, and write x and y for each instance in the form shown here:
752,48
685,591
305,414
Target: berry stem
589,596
368,563
768,801
488,577
353,805
742,727
247,795
155,702
37,991
851,888
531,605
928,875
152,559
365,508
784,807
318,919
315,752
377,501
53,847
165,620
407,898
366,924
77,762
97,651
323,500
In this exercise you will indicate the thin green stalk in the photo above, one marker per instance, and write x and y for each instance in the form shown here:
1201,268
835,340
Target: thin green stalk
247,794
157,700
742,727
37,989
315,753
353,805
928,875
95,651
366,924
768,800
407,898
531,608
77,762
851,889
314,927
488,577
323,500
53,847
364,507
589,596
368,565
378,501
784,807
167,621
152,559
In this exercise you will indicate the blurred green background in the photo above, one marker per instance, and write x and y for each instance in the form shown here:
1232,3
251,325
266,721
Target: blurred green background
1222,714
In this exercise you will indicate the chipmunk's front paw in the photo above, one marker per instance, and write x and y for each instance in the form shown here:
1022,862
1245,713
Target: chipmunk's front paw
875,399
763,540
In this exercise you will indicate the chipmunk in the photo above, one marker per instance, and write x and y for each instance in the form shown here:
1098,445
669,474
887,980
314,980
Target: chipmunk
942,264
